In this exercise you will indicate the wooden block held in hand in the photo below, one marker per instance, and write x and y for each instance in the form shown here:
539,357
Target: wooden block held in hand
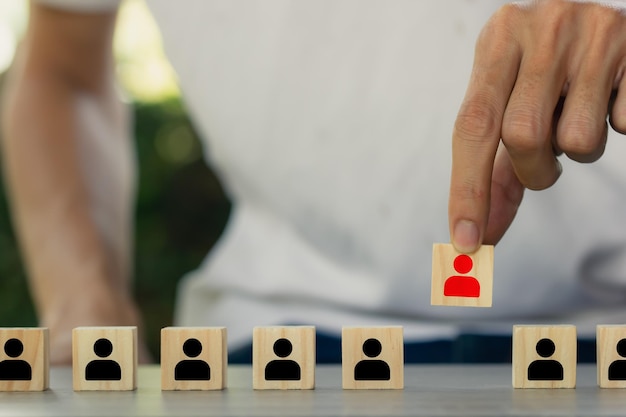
544,356
193,358
283,357
372,357
611,356
104,358
24,357
462,280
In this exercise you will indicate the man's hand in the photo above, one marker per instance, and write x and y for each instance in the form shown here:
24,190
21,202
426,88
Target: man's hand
545,76
97,308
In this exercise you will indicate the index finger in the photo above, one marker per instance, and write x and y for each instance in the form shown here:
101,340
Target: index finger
476,133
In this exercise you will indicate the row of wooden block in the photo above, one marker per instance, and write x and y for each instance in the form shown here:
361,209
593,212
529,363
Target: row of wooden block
195,358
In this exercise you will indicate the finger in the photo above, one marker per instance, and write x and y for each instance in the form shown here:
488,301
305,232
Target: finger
582,129
506,196
618,109
527,126
617,100
477,131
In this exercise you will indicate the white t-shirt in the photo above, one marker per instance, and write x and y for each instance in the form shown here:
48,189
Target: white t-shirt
329,123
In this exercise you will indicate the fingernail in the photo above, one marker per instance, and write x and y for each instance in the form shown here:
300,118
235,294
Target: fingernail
465,237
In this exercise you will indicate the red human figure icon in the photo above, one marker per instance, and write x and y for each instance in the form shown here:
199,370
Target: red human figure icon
459,285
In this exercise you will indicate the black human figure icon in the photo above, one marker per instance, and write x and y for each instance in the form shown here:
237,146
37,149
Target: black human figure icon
103,369
617,369
282,369
15,369
192,369
372,369
545,369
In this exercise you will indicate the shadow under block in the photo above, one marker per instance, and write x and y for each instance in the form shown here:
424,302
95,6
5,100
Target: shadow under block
193,358
283,357
104,358
611,356
544,356
461,280
24,359
372,357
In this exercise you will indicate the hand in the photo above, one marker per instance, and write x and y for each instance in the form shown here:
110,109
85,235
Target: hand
90,311
545,75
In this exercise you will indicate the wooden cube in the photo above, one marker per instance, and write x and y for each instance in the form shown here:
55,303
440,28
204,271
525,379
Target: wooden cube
104,358
544,356
24,359
193,358
460,279
611,356
283,357
372,357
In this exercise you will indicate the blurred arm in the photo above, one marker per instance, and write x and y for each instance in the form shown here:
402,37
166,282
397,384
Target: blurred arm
70,171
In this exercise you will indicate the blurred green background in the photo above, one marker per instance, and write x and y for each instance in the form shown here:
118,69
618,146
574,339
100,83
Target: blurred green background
181,208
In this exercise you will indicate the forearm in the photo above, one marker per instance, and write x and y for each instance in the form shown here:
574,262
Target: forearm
69,170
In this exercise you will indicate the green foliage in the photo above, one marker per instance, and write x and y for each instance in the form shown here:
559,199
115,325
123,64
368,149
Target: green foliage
181,211
16,308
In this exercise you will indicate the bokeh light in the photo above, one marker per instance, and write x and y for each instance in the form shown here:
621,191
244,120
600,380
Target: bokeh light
142,68
13,16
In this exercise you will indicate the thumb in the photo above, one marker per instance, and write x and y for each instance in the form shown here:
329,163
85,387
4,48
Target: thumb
506,196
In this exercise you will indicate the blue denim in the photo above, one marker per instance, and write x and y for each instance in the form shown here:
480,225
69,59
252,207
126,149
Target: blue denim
468,348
